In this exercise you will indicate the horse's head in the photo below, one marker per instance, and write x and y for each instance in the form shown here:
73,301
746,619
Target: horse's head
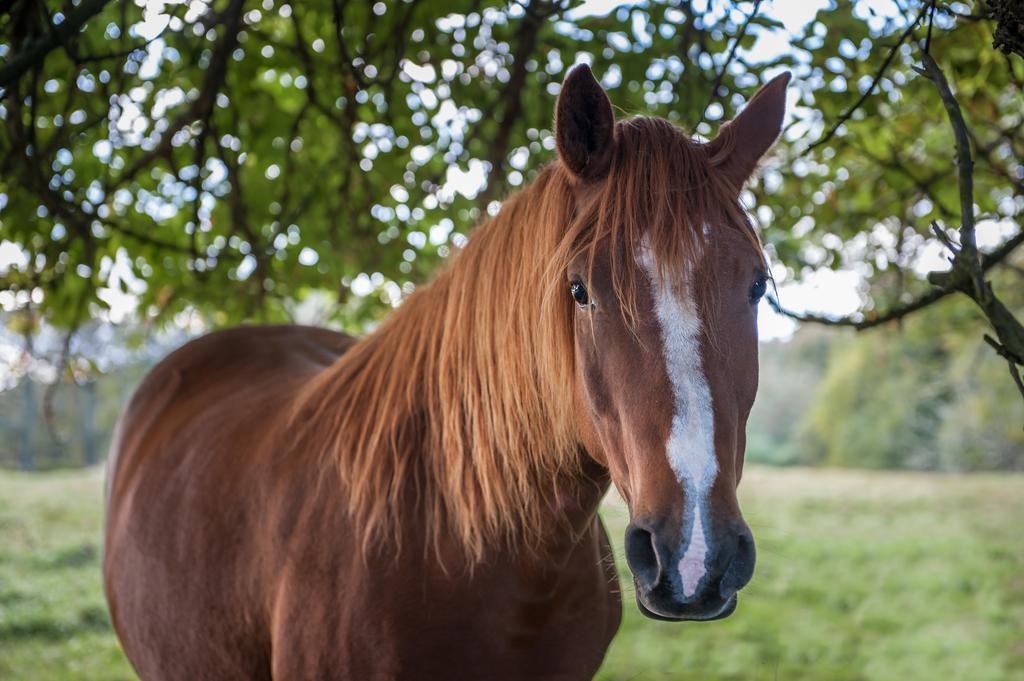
665,273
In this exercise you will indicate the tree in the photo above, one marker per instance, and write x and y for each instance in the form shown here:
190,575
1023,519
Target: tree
240,157
969,266
912,398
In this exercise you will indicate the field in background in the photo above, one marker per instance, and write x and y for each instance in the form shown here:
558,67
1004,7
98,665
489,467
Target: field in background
861,576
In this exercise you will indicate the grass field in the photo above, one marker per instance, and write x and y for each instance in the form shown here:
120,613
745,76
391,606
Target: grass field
861,576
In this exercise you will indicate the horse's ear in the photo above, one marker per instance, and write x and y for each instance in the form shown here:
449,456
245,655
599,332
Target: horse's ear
584,125
742,142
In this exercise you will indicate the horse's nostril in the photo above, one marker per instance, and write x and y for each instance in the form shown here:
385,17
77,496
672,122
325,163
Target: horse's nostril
741,567
641,556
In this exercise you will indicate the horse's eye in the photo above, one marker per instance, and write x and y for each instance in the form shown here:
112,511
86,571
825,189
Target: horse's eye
579,293
758,289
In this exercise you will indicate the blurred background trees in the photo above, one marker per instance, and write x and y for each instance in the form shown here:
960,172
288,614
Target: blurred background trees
924,395
169,167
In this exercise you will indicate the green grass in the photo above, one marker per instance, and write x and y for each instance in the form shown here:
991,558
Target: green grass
53,617
861,576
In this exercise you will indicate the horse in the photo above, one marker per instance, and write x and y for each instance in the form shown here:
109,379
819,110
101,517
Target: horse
287,502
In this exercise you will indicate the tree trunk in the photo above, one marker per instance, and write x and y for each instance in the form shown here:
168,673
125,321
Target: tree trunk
26,457
88,416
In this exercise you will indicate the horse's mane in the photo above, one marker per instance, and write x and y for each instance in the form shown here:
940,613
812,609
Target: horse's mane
460,407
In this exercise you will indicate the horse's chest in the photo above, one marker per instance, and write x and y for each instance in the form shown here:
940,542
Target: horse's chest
503,623
508,633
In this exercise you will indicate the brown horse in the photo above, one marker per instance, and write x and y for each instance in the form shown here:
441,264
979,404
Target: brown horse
292,503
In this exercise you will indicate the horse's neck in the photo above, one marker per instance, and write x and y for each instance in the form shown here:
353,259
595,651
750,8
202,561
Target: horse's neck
577,500
469,385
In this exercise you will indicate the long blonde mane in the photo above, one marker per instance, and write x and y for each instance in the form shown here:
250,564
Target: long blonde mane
460,407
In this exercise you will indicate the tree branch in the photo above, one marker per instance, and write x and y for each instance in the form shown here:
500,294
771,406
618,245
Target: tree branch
34,53
964,161
1010,360
848,114
728,60
989,261
898,312
202,107
511,96
967,274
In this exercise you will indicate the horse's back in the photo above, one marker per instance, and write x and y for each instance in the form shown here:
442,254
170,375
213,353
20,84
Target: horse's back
190,470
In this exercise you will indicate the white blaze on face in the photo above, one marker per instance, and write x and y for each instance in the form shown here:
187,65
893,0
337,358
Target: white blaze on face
691,443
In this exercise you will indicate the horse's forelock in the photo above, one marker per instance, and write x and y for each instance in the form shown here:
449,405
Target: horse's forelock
664,194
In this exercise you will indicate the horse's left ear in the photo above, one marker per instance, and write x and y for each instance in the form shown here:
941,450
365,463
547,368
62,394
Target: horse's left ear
742,142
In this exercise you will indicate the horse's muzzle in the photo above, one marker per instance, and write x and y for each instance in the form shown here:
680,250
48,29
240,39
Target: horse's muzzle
657,567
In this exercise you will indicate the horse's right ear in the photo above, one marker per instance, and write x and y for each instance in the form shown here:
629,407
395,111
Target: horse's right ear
584,125
742,142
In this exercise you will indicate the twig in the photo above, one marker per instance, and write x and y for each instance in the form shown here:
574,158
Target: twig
34,53
511,99
848,114
931,22
728,60
143,238
64,362
988,261
964,161
202,108
942,236
895,313
1010,360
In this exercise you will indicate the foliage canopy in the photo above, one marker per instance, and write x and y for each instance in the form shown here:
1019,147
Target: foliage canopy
238,156
265,161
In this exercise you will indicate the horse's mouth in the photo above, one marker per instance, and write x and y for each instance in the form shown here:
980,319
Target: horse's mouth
728,608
